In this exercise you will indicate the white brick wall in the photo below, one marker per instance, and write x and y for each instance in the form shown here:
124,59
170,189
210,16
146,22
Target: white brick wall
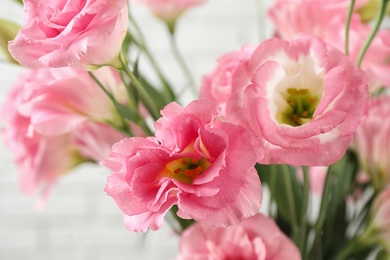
80,221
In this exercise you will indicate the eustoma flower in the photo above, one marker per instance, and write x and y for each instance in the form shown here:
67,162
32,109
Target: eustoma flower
293,17
375,62
51,126
372,142
169,10
326,19
59,100
196,162
257,237
40,159
302,100
217,84
62,33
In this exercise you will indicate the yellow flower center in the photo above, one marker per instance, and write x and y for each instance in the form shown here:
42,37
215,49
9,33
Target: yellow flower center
186,169
300,109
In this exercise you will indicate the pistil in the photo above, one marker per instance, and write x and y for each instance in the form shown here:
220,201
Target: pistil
186,169
301,107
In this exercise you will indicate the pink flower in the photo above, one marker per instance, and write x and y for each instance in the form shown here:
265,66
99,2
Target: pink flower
67,100
217,84
376,60
94,140
292,17
61,33
169,10
40,159
257,237
372,142
51,126
317,178
196,162
302,100
59,100
381,211
326,19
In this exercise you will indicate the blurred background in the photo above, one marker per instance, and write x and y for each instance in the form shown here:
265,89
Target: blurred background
79,220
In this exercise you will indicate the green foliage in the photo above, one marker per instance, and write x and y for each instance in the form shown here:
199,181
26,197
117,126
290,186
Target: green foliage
290,196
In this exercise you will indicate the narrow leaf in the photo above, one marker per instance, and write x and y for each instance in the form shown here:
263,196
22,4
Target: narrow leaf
8,31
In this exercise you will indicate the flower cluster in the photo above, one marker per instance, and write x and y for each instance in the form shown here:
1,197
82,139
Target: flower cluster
267,112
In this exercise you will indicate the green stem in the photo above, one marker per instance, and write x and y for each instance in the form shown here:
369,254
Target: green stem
142,44
317,247
290,198
347,26
272,183
139,120
132,101
362,217
305,204
147,100
125,126
375,29
183,64
110,96
184,223
352,247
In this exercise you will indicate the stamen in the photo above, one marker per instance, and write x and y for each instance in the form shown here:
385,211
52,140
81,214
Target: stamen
300,109
186,169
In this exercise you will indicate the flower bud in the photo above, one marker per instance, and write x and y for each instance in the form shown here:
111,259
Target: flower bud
370,10
378,229
372,143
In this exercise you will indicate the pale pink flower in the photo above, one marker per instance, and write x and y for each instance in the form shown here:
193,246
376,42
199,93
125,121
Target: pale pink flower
94,140
302,100
372,142
169,10
58,100
61,33
255,238
317,177
326,19
292,17
217,84
55,119
39,159
202,165
376,61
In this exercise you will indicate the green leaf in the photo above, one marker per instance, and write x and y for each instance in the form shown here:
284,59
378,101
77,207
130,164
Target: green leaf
285,190
127,42
333,222
19,1
125,112
157,97
8,31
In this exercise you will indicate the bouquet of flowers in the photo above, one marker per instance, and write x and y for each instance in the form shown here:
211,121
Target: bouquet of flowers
301,117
